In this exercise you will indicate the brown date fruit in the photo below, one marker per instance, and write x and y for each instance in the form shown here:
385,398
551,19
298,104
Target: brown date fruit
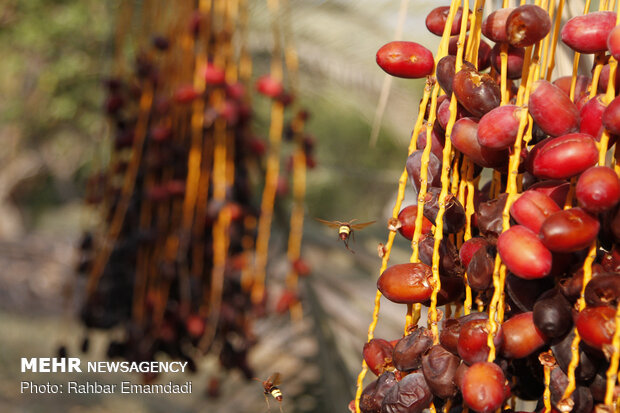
410,395
523,253
581,397
588,33
449,261
378,355
480,270
484,387
464,137
484,51
552,314
446,70
494,25
571,287
562,157
490,218
374,393
515,56
532,208
478,93
603,289
451,329
569,230
498,128
438,139
407,354
522,294
406,283
454,216
437,18
439,368
414,166
521,336
598,189
407,217
408,60
469,248
527,25
452,289
587,366
552,109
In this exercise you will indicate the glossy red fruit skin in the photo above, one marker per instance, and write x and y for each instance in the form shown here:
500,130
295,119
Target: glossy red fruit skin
569,230
613,42
407,217
185,94
443,113
436,20
472,342
483,387
521,337
377,354
563,157
214,75
596,326
494,26
465,138
554,189
598,189
498,128
408,60
406,283
438,140
552,109
469,248
581,86
611,116
527,25
514,60
268,86
484,52
532,208
588,33
591,115
523,253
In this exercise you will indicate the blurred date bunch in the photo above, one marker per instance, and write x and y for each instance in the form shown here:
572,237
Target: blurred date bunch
171,263
516,229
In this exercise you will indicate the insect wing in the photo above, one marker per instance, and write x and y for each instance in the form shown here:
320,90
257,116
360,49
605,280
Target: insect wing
274,379
362,225
331,224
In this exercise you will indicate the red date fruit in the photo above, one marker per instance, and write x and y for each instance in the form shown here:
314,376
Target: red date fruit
185,94
591,115
407,217
465,138
446,70
603,80
563,157
472,343
611,117
552,109
439,368
484,51
451,329
604,289
498,128
598,189
613,42
478,93
214,75
494,26
406,283
581,87
521,337
532,208
407,355
436,20
268,86
569,230
596,326
484,387
514,60
374,393
409,60
527,25
378,355
552,314
469,248
554,189
588,33
438,140
410,395
523,253
443,114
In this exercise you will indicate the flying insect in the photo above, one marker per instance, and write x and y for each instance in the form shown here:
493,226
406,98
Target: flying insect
345,229
270,386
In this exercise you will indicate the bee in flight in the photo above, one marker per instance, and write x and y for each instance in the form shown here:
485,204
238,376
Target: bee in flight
345,229
270,386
